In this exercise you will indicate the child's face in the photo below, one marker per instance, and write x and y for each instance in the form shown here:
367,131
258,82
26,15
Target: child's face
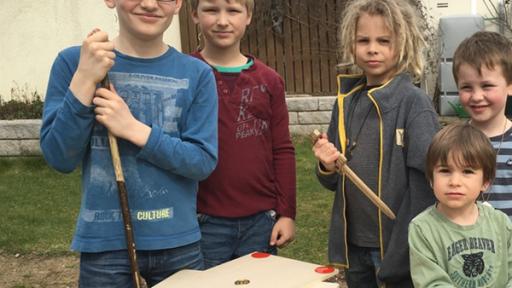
144,19
374,49
222,22
483,96
457,188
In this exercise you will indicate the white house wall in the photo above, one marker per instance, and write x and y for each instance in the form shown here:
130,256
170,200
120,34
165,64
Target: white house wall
33,32
441,8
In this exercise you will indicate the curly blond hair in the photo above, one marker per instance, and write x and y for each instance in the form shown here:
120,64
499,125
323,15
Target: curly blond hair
400,19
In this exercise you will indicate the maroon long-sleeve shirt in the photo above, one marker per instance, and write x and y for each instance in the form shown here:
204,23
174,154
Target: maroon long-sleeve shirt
256,164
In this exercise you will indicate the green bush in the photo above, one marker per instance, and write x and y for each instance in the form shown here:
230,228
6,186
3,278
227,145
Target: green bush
23,104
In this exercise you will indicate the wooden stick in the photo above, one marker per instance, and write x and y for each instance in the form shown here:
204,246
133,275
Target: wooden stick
123,200
343,168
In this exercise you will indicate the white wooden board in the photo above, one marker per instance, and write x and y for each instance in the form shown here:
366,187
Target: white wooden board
265,271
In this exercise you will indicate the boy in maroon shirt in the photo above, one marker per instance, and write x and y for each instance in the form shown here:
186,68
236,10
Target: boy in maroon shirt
248,203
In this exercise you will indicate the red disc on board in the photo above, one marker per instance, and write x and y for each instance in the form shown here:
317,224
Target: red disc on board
259,255
324,269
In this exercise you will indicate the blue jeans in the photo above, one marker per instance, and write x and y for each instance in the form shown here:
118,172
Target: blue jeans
224,239
112,269
364,263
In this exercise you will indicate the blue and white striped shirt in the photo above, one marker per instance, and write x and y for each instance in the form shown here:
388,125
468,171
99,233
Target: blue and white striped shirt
500,193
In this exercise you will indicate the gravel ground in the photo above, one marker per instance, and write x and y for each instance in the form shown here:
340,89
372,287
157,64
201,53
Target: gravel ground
35,271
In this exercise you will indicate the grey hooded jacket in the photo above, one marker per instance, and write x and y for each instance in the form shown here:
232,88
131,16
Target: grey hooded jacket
407,124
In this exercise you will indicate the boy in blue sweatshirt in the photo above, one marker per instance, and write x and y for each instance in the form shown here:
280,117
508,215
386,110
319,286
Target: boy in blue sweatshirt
162,106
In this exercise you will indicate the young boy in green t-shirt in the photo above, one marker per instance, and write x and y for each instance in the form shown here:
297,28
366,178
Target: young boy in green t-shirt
459,242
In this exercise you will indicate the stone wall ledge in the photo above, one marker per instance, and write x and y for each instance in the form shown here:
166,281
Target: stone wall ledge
20,129
20,137
306,113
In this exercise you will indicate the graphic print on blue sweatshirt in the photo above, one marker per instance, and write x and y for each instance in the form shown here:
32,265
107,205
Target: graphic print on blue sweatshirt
152,100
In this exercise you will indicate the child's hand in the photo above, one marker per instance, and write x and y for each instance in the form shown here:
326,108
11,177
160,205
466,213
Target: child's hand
283,232
112,112
96,58
326,152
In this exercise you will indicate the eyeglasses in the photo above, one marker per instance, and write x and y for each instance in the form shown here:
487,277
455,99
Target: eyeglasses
160,1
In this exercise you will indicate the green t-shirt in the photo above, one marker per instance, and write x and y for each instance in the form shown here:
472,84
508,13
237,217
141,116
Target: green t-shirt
444,254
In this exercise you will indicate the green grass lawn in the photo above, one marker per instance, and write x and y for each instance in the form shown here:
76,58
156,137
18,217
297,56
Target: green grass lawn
313,209
39,208
38,205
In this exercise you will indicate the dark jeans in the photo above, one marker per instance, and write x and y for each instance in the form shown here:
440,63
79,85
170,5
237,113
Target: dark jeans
224,239
112,269
364,263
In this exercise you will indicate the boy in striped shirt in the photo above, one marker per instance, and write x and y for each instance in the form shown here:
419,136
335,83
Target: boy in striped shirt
482,68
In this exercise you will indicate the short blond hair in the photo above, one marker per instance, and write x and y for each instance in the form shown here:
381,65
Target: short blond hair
401,21
249,4
466,146
487,49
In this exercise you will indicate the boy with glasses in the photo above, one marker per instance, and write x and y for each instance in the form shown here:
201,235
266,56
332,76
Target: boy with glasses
162,106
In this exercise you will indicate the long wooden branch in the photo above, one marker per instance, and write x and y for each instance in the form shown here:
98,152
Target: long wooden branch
123,200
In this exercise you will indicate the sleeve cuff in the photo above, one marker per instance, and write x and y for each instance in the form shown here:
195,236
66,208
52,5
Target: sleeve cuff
283,212
321,170
77,106
151,144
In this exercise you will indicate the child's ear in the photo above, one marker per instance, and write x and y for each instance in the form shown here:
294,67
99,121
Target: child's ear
195,17
509,89
509,83
485,186
110,3
249,18
177,6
